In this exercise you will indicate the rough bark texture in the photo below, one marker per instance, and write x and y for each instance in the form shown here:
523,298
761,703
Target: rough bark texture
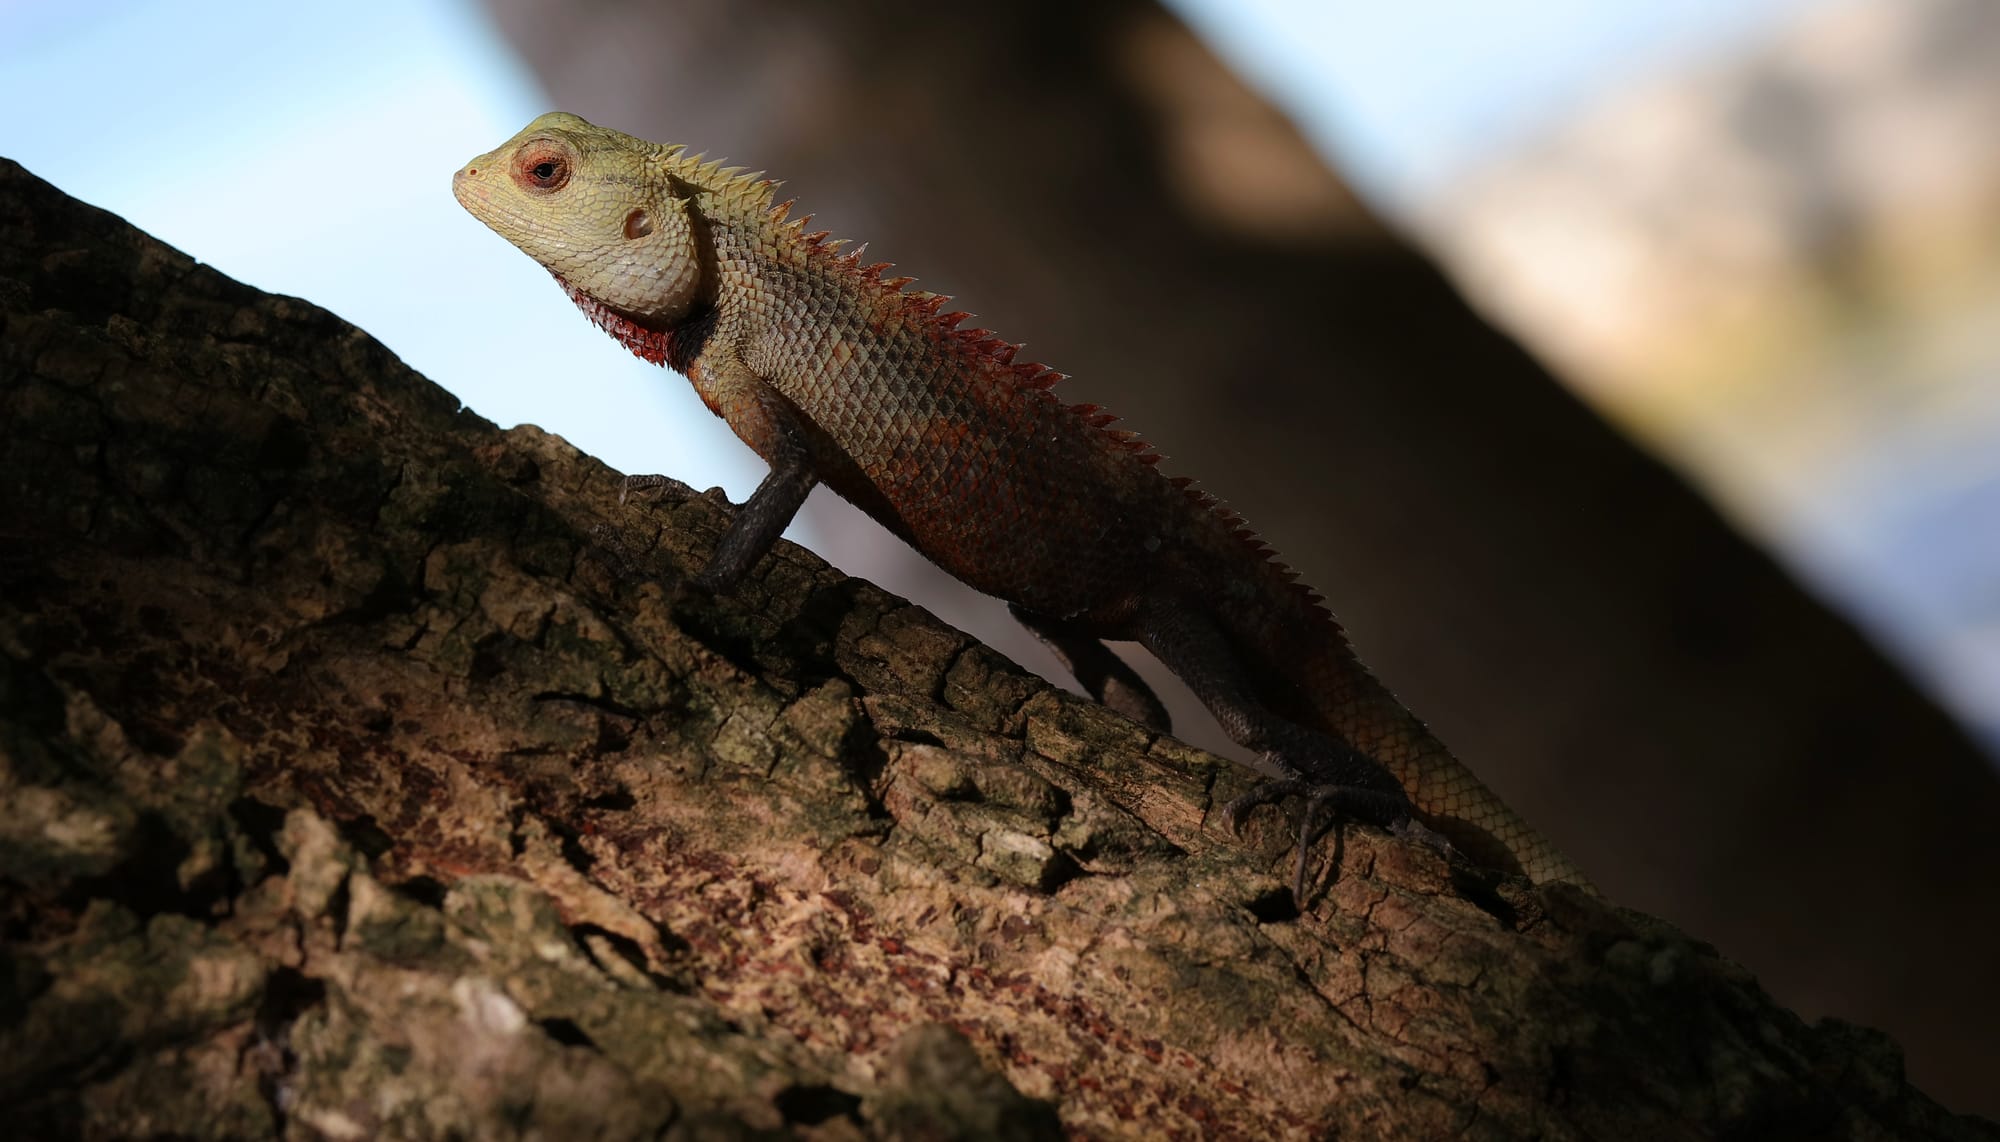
366,778
1706,740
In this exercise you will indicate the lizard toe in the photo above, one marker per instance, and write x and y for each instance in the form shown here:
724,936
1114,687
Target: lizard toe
1268,792
639,486
1326,805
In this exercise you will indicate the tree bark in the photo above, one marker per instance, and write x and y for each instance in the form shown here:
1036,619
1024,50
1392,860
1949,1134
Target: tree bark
368,776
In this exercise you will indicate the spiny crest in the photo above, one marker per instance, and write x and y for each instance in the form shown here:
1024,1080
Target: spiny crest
1240,531
740,191
985,347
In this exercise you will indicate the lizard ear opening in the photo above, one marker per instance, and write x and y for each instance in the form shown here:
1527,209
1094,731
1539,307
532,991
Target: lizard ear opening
638,224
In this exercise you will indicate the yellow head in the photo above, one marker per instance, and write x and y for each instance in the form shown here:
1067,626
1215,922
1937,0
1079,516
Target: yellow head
602,210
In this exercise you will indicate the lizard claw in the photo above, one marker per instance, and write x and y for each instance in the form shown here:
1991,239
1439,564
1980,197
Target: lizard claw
1411,829
1263,793
640,485
1324,804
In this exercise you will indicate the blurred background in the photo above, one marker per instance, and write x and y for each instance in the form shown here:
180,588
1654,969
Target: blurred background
1627,375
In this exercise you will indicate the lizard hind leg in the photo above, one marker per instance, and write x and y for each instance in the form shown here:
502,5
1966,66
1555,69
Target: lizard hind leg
1334,779
1104,675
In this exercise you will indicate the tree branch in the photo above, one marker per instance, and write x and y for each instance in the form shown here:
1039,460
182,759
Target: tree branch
368,776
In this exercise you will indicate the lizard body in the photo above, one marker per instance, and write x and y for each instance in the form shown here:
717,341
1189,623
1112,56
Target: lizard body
836,374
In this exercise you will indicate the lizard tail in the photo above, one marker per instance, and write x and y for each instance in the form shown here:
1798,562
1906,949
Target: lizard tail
1314,678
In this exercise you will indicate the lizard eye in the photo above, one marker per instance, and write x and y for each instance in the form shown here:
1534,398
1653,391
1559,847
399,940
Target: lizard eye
543,171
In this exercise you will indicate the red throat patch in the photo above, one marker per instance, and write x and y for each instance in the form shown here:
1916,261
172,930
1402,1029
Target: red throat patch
646,343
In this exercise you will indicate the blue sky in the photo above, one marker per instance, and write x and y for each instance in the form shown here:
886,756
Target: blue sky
1408,94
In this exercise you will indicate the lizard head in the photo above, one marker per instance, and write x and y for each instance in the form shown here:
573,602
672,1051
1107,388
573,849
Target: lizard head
599,209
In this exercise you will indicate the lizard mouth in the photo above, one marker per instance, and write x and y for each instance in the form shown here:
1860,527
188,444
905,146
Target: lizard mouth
475,194
466,187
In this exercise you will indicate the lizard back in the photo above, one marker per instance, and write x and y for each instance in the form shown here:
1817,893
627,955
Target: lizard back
939,431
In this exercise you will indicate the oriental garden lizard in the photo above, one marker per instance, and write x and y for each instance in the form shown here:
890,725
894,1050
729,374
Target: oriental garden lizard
837,374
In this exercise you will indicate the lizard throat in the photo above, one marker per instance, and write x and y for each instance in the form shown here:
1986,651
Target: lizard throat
652,345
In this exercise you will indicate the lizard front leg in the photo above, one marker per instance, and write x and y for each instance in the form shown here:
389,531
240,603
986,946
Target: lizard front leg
757,526
778,432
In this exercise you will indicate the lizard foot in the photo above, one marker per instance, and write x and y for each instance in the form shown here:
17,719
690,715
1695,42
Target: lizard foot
640,485
1325,804
714,579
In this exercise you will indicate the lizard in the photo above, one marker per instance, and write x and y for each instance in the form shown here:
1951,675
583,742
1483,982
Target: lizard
834,373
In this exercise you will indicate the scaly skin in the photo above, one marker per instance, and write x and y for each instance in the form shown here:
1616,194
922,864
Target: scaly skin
836,374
